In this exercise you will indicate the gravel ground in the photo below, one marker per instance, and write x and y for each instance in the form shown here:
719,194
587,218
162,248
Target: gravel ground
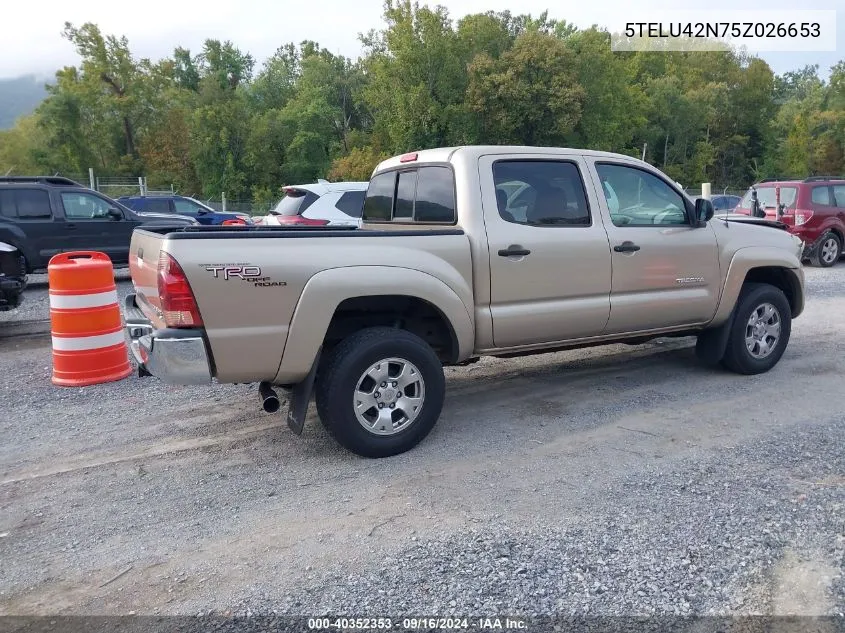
616,480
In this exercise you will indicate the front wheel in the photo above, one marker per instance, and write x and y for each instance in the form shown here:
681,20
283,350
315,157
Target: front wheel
380,391
760,330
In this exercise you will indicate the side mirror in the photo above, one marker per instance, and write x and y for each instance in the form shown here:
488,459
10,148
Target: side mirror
703,211
115,214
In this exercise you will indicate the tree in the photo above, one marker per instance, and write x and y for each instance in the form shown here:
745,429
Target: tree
108,64
417,77
530,95
613,107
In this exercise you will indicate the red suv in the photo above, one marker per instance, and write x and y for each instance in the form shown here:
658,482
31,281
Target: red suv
813,209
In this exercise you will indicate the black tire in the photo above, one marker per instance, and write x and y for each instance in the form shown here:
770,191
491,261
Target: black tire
345,365
738,357
829,240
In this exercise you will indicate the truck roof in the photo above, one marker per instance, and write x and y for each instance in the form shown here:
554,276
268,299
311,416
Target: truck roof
445,154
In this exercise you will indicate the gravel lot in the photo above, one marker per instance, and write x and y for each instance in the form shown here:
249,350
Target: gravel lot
616,480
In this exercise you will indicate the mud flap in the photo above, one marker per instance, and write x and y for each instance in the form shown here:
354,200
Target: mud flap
300,398
711,344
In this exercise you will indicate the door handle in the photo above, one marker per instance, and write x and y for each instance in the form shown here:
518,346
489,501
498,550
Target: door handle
626,247
514,250
70,227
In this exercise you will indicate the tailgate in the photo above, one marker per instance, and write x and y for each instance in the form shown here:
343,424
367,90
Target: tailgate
144,250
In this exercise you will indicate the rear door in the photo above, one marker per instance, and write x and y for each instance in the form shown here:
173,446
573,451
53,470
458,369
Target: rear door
29,211
839,201
91,226
549,255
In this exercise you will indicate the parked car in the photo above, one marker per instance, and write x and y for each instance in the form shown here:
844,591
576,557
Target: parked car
464,252
42,216
723,203
183,205
320,204
813,209
12,277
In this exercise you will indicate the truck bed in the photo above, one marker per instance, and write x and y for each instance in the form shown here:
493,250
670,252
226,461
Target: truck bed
249,282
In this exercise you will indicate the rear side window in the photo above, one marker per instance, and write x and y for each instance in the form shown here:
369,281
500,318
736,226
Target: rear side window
157,205
25,204
378,205
541,193
839,195
821,196
351,203
426,194
295,202
435,200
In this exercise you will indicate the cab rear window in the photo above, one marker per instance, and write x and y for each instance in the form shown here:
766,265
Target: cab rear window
424,194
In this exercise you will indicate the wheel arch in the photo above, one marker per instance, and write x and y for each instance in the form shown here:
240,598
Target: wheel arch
337,302
760,264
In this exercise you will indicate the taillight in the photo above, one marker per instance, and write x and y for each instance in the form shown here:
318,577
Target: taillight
237,222
802,217
177,301
298,219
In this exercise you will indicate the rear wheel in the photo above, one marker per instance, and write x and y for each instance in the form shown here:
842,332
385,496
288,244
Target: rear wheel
380,391
828,251
760,330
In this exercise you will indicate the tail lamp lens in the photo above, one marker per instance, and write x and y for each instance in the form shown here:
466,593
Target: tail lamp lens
178,305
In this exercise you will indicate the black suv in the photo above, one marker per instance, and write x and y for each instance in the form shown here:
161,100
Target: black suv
44,215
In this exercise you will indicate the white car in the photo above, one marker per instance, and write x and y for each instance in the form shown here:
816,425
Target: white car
323,203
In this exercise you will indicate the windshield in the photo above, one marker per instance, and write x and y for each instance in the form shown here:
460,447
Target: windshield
767,197
294,202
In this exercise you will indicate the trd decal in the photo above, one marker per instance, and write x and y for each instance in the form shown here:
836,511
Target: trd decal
249,274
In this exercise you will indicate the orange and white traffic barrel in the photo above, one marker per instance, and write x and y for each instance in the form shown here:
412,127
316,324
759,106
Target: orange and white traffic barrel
89,345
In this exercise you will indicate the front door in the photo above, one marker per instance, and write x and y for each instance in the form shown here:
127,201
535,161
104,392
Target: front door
91,227
665,271
549,255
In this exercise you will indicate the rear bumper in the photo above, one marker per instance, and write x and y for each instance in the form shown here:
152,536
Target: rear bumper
176,356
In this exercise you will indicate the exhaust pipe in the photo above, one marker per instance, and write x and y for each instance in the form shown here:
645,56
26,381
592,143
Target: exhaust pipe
269,398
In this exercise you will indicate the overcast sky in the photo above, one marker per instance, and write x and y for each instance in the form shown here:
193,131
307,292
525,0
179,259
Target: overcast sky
32,41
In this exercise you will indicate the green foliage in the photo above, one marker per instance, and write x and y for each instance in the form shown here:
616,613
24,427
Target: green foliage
210,121
504,93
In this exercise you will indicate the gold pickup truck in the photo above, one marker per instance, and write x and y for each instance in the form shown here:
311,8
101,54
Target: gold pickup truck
463,252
